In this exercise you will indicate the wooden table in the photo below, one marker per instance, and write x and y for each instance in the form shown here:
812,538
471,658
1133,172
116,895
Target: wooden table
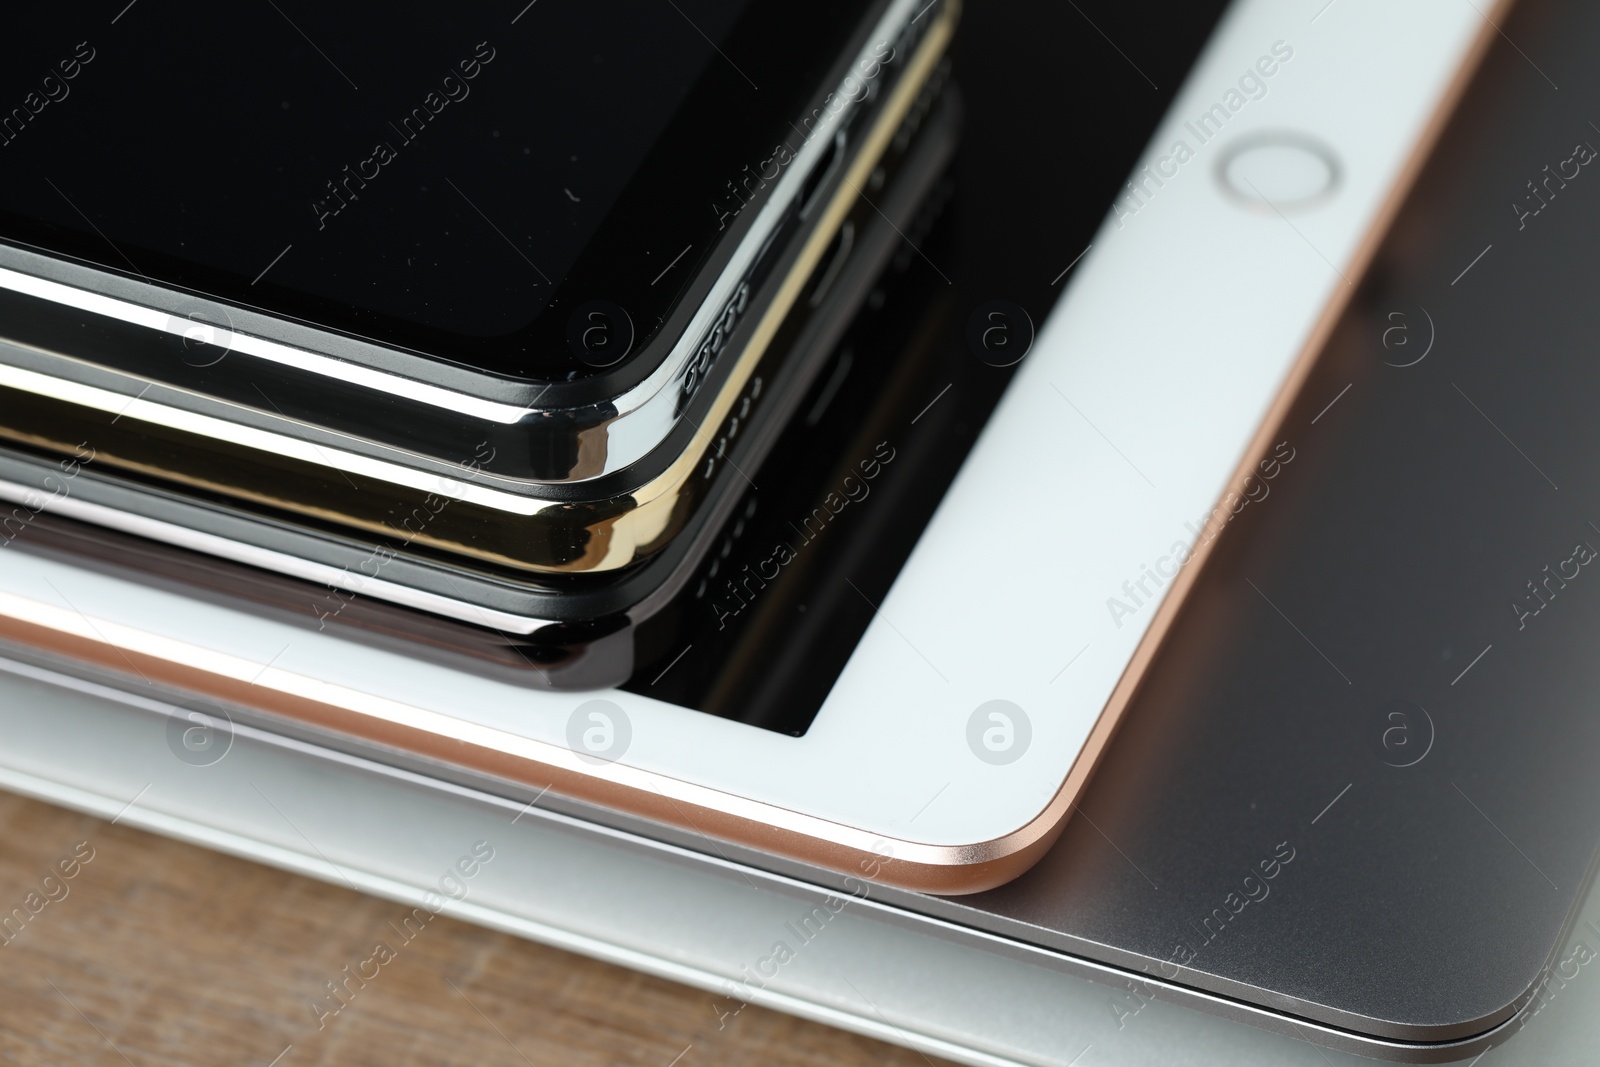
160,954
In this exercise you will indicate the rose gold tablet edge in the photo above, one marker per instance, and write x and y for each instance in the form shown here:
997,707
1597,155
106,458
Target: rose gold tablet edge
1060,806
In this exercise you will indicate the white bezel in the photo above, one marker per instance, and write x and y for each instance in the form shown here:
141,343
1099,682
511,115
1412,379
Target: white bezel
1142,395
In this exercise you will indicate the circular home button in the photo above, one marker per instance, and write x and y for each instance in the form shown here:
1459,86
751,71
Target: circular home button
1279,170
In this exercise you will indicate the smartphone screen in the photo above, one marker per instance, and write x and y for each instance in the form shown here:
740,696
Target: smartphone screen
438,178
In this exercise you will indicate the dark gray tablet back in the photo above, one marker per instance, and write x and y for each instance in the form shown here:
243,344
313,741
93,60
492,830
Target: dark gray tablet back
1362,784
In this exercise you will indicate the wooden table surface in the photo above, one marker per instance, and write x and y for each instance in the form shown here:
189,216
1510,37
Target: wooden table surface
159,953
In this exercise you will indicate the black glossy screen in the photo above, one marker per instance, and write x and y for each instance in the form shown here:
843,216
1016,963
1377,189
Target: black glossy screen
432,176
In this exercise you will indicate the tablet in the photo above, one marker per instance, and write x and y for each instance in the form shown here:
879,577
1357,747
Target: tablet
1262,154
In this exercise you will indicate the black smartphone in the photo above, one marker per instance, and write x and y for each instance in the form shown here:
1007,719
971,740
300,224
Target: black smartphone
478,311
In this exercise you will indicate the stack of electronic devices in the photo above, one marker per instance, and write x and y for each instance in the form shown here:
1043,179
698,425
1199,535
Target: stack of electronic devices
1052,477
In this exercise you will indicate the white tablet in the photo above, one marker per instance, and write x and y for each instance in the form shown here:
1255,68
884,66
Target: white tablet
949,751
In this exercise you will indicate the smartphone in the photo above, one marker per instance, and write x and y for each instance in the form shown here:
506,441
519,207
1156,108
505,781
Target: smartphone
530,283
